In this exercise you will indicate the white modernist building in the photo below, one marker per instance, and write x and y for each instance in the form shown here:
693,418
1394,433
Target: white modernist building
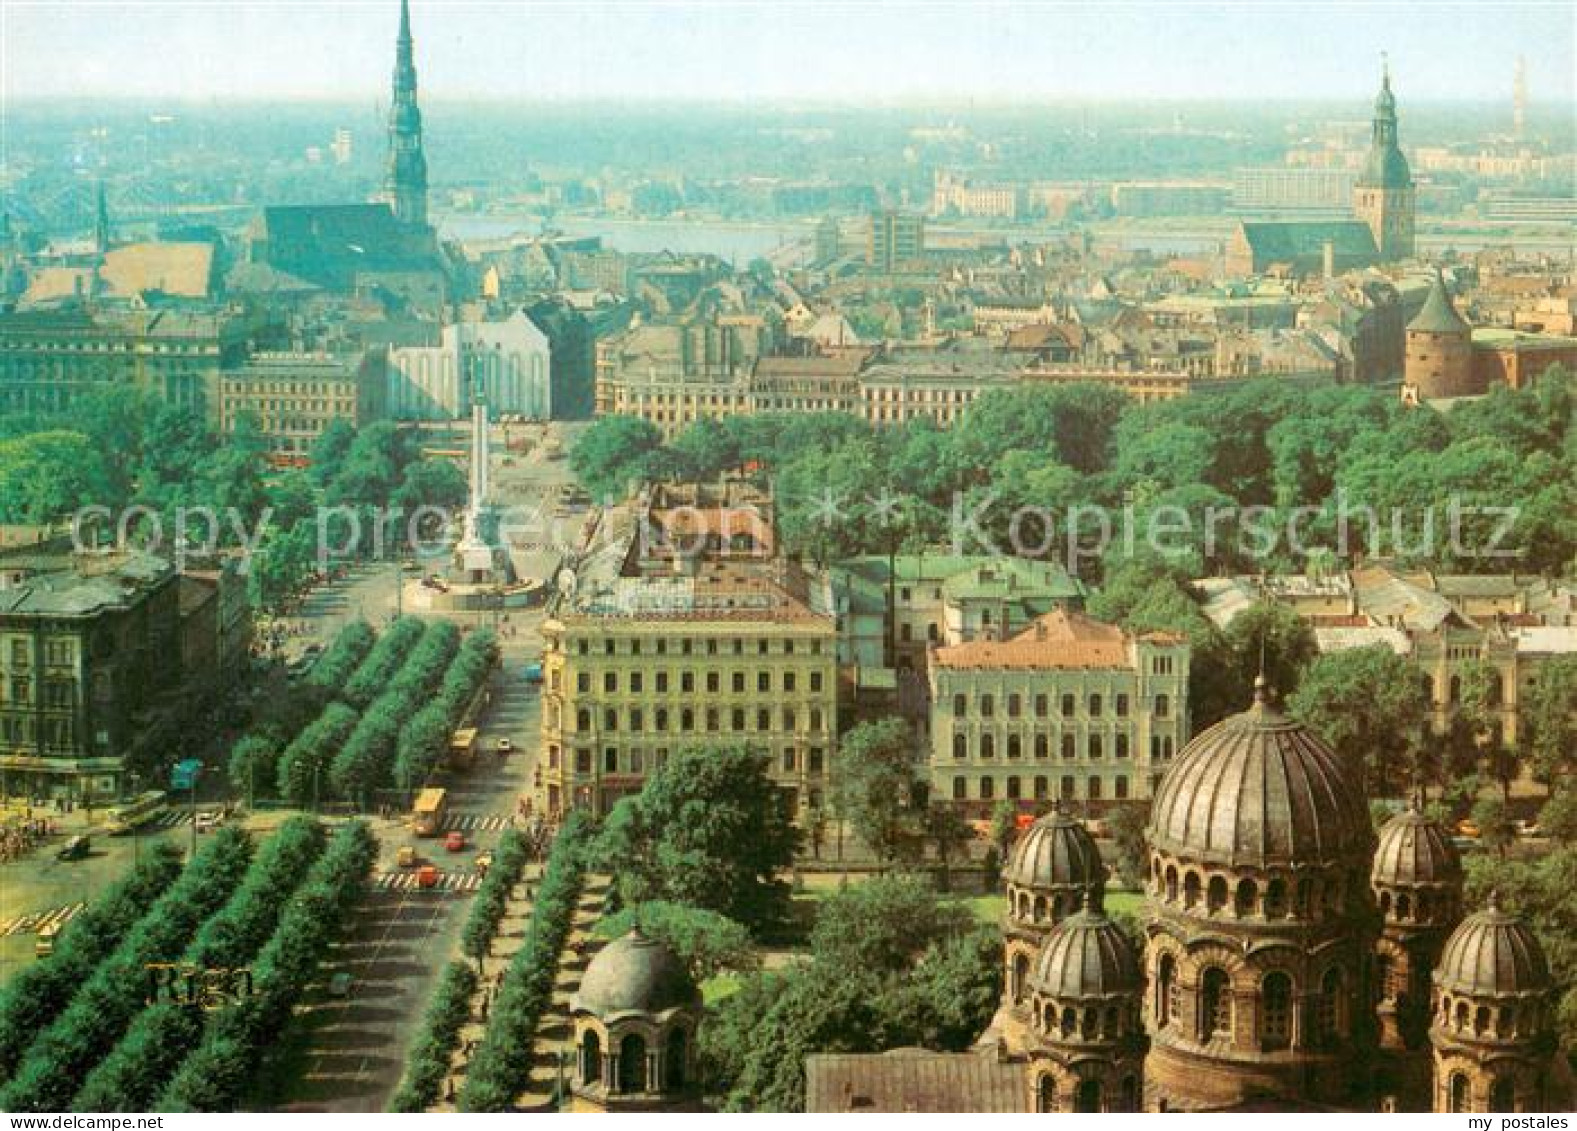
506,360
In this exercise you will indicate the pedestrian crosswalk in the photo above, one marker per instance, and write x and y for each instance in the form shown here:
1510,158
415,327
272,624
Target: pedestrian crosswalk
447,881
39,920
169,819
476,823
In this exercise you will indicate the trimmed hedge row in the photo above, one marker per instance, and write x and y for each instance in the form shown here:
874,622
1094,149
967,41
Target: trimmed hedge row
428,1061
35,997
424,738
492,895
139,1067
303,764
386,657
107,1003
365,762
341,659
219,1073
501,1067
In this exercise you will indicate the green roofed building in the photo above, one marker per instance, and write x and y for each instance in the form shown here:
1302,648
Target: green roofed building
1301,247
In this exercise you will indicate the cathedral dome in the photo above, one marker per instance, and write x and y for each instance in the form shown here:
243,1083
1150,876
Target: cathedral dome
635,974
1056,852
1260,790
1086,956
1493,954
1414,849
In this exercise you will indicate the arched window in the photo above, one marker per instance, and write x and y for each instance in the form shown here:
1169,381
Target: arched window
1171,885
1215,1012
1068,1022
590,1058
960,746
1089,1023
1191,890
1459,1093
987,746
1216,894
632,1063
674,1061
1088,1098
1328,1014
1165,991
1130,1094
1276,1019
1020,975
1503,1095
1046,1094
1243,905
1404,906
1015,746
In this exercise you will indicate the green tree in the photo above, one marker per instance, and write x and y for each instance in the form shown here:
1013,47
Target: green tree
873,786
1373,707
708,942
1549,719
1264,637
1128,828
610,455
708,829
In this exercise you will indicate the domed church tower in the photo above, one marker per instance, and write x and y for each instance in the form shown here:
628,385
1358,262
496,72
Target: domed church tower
1494,1027
635,1018
1383,193
1417,883
1260,925
1087,1049
1054,865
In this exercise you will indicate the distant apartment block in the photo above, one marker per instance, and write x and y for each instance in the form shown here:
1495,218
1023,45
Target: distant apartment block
896,239
294,397
1281,188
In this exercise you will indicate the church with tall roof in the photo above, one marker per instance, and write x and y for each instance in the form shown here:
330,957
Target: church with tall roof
1291,959
385,248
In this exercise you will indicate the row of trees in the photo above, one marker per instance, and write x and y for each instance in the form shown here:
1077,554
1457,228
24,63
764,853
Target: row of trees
134,1073
61,1056
242,1042
36,995
369,740
502,1064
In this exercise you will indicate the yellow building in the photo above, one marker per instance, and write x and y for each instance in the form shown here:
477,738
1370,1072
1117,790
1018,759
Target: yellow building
1069,708
296,396
728,654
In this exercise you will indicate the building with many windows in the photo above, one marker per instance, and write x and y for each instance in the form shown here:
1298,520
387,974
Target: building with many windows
1068,709
508,362
294,397
725,653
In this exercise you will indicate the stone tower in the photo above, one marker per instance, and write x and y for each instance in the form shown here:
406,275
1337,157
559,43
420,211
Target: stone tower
1439,361
1087,1049
405,185
1494,1020
1260,929
1383,193
1417,883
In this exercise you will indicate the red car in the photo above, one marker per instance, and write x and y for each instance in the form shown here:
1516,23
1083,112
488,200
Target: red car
427,877
455,842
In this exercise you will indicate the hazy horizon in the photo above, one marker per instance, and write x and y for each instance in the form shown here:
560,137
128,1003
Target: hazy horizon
745,53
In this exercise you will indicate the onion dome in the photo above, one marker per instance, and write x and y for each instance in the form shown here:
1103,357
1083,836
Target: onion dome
1086,956
1259,790
1493,954
1415,850
635,974
1056,852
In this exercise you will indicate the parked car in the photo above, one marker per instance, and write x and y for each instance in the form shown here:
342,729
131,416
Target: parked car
407,857
455,841
427,877
505,746
75,848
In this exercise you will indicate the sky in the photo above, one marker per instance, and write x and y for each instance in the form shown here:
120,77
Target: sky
737,50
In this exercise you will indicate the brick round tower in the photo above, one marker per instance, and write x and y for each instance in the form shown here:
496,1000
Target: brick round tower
1439,350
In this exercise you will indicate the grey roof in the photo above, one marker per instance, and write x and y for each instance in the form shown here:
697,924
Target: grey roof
1414,849
912,1080
1293,240
1086,956
635,974
1493,954
1260,790
1056,852
1385,167
1438,314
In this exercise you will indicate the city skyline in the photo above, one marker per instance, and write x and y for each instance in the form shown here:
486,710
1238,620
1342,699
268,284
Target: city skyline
745,52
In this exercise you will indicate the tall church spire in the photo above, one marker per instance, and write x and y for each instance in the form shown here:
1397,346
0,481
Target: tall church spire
406,182
1383,192
101,221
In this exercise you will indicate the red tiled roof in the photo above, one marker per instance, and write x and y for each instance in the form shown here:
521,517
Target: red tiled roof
1060,639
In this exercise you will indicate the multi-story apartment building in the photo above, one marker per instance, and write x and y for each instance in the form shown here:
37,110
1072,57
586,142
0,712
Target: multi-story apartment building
673,374
90,652
295,396
939,384
896,239
1068,709
48,359
728,654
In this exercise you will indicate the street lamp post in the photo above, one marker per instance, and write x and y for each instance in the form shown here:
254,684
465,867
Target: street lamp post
192,793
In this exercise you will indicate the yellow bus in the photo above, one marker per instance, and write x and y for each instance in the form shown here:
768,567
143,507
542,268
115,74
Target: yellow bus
462,749
427,815
134,814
